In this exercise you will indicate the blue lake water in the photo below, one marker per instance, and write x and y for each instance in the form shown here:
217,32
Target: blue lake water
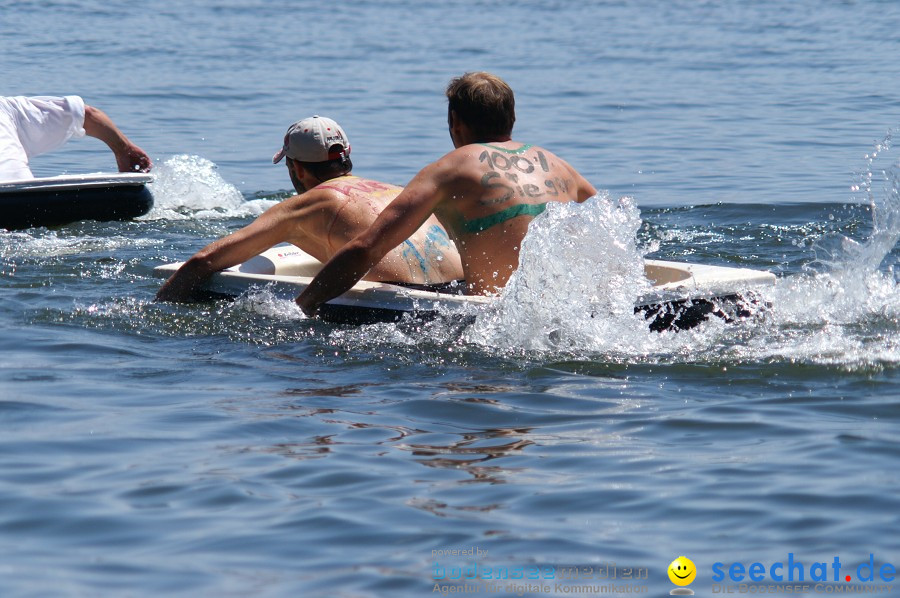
239,449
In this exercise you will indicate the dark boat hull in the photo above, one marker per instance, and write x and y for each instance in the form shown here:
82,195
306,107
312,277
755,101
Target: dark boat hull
57,201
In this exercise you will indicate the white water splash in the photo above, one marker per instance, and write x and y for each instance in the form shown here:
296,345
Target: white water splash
580,273
264,302
840,254
187,187
581,270
885,207
845,309
846,282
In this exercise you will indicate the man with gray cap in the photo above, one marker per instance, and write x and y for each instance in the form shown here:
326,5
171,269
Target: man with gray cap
331,208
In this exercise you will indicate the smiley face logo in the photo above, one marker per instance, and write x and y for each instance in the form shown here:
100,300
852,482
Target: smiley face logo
682,571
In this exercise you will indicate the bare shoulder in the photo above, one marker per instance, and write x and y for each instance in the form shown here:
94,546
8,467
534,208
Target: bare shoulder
303,214
456,167
348,186
550,160
584,188
314,199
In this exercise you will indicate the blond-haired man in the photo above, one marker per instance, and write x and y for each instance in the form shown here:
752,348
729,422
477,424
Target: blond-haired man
485,193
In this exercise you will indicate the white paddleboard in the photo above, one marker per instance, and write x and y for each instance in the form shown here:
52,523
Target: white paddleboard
286,271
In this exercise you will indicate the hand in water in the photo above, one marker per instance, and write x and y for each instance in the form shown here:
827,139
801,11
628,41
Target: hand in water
133,159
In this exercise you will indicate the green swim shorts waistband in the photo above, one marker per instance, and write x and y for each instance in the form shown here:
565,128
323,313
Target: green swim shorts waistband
476,225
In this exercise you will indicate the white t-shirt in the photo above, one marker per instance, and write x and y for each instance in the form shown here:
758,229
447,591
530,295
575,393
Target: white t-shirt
33,126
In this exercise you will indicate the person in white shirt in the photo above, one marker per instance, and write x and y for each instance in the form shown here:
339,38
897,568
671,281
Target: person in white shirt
30,126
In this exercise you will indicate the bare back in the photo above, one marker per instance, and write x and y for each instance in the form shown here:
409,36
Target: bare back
348,205
490,194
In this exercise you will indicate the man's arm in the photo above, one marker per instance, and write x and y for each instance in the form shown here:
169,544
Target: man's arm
396,223
272,227
585,189
129,157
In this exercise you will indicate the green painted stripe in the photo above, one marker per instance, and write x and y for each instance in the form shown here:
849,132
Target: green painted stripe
521,150
477,225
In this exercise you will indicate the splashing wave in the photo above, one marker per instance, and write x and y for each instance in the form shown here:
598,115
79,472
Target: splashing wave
190,187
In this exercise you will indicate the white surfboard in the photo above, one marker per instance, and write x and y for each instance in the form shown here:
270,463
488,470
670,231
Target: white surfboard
683,293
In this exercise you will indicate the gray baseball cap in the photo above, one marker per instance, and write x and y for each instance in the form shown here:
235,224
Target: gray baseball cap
310,139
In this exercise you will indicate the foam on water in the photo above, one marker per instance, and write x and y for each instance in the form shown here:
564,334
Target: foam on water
264,302
48,244
189,187
256,318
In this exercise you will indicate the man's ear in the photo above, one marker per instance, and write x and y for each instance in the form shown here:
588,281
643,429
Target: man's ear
457,134
296,173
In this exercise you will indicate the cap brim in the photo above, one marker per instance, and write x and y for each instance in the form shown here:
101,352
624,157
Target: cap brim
278,157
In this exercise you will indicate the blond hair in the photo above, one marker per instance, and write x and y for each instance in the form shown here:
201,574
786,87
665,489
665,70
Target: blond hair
484,102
